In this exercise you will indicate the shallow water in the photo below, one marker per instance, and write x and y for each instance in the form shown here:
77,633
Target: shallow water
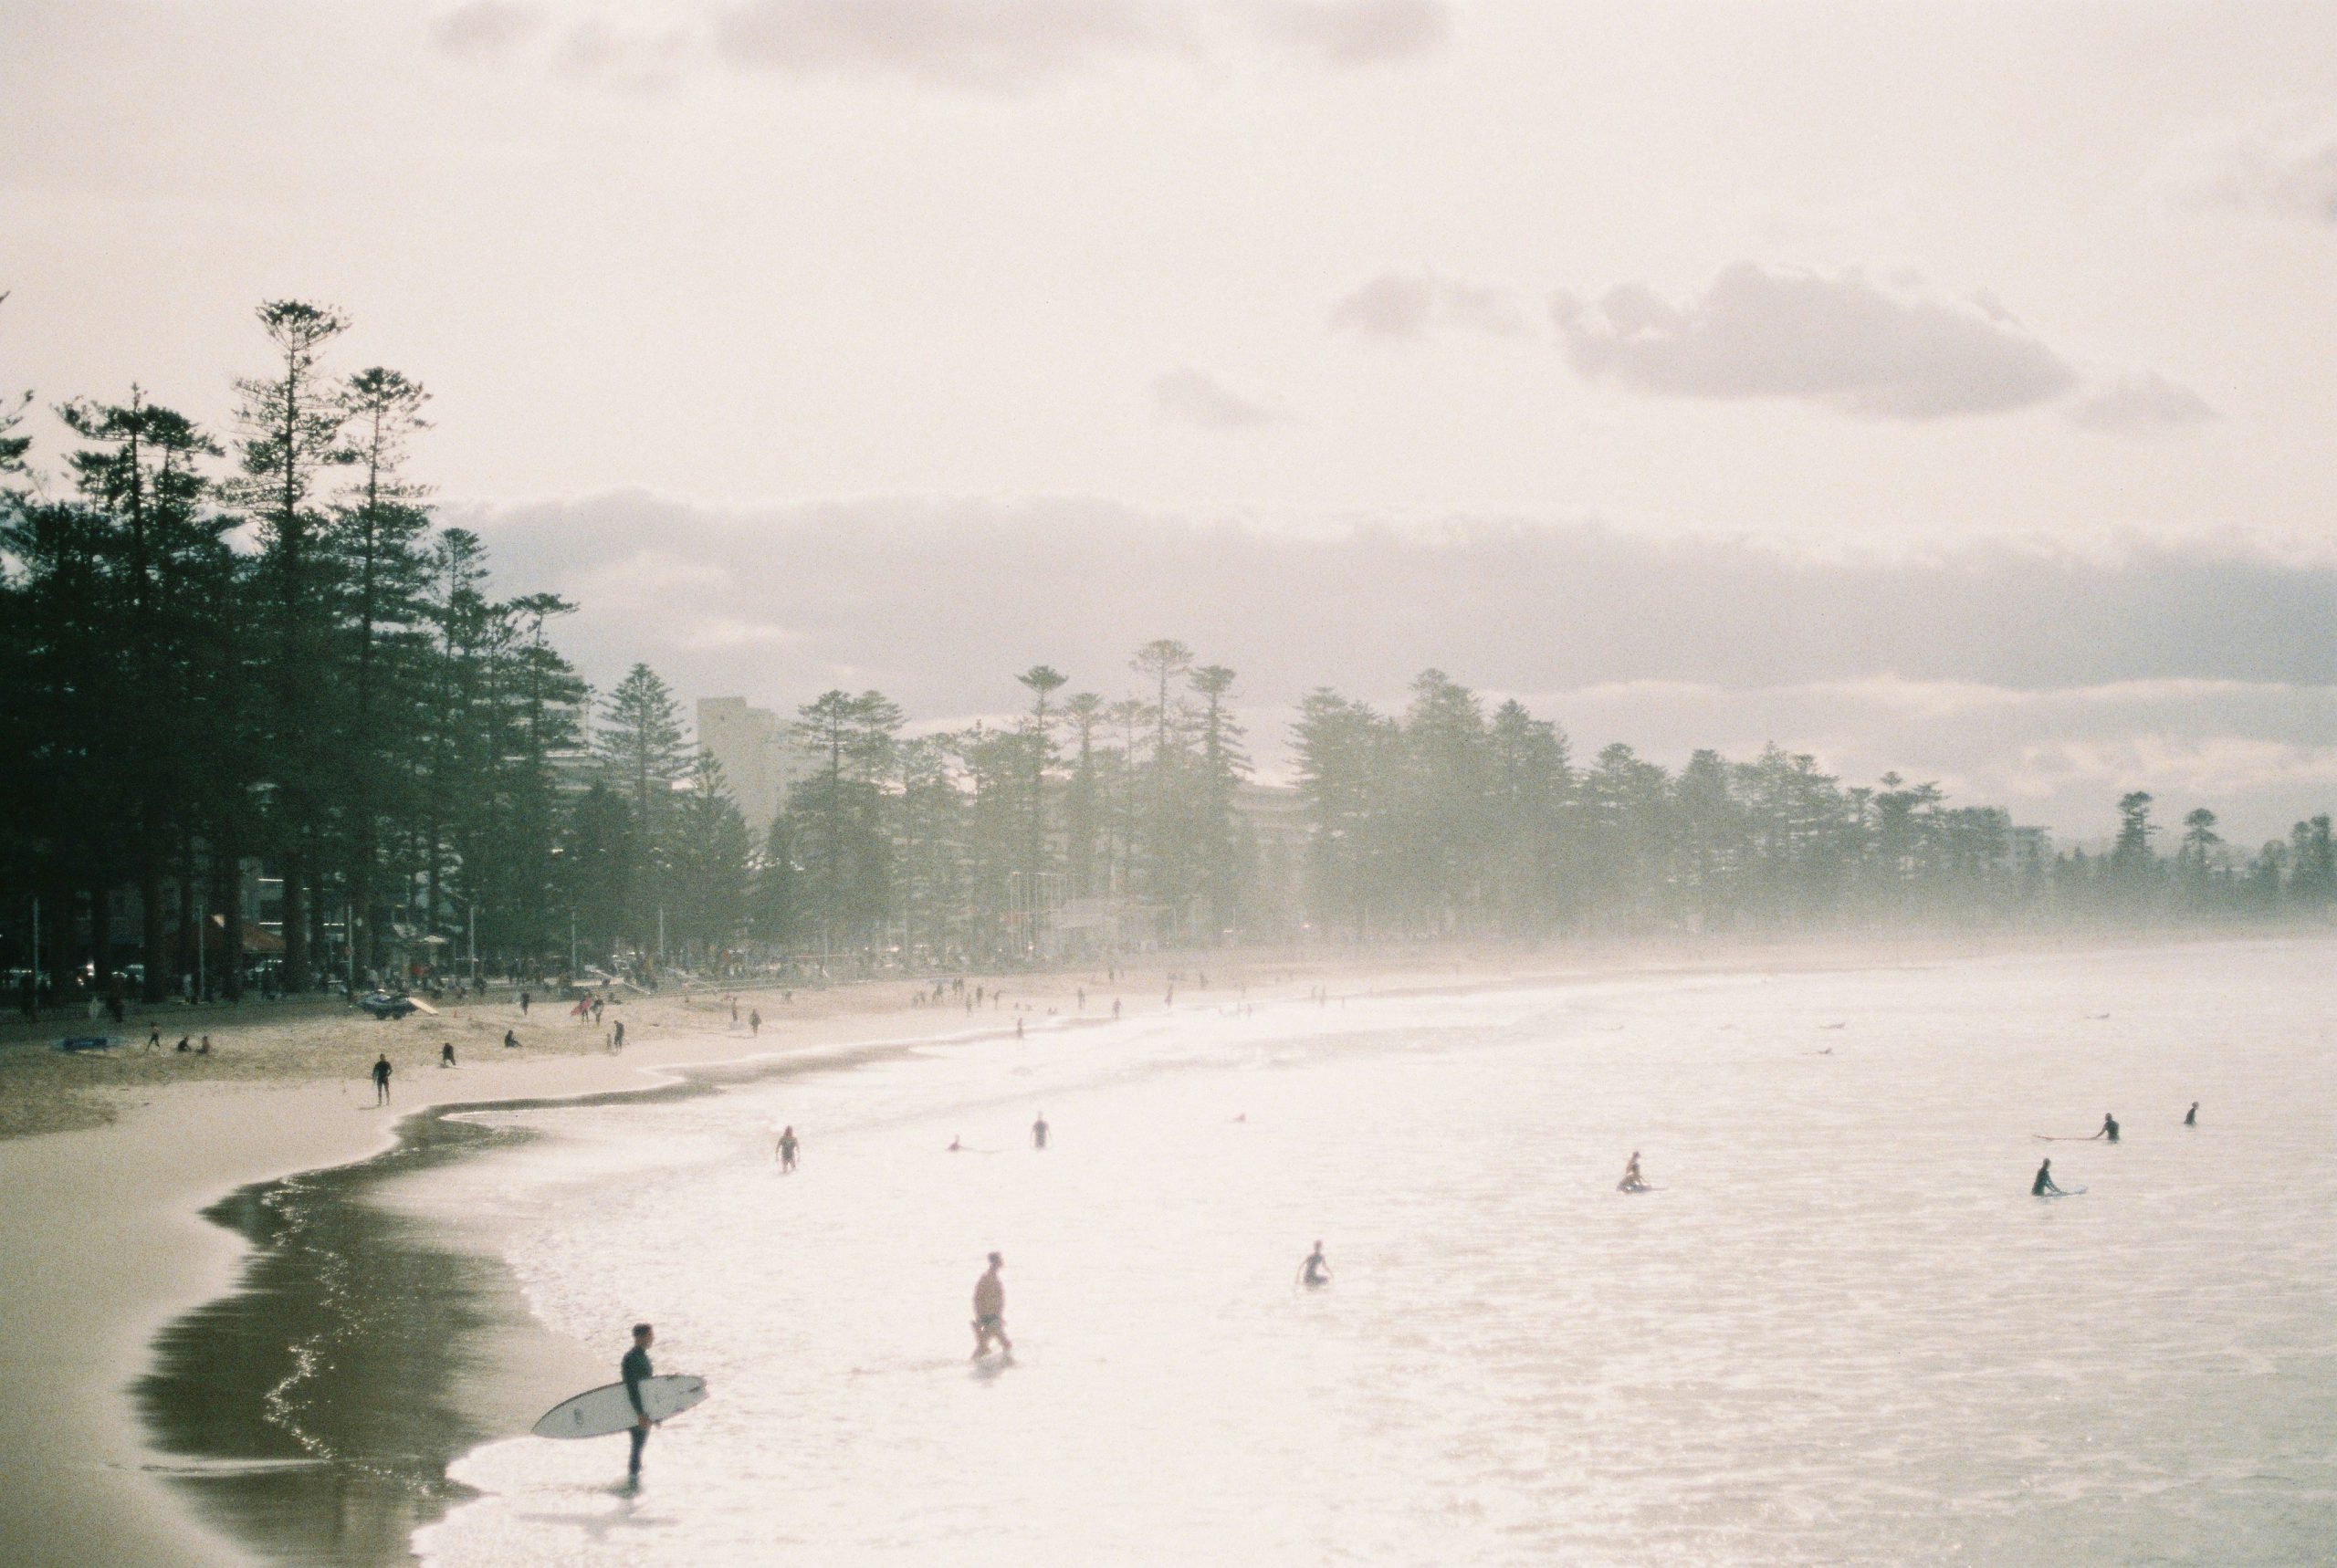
1840,1333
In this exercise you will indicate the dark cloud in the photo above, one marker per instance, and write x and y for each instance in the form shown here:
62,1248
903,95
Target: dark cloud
1413,304
1198,399
2001,668
1841,340
2139,404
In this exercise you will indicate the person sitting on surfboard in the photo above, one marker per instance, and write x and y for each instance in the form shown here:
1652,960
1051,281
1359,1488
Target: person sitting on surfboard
636,1371
1316,1269
2109,1127
786,1146
989,1310
2043,1187
2190,1117
1632,1181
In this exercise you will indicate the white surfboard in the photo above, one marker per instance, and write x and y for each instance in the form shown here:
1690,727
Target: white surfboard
599,1412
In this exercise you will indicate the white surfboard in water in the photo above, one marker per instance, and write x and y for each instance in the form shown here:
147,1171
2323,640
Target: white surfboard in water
599,1412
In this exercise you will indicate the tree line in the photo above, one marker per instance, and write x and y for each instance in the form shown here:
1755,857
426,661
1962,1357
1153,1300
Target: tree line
257,650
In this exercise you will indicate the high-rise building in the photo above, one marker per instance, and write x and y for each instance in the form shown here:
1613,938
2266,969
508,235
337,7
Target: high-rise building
759,759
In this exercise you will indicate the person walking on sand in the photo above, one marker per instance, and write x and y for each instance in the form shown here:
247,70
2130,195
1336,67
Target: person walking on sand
616,1035
755,1024
523,1004
634,1370
381,1080
1039,1132
2043,1185
787,1147
153,1037
989,1310
2190,1117
446,1054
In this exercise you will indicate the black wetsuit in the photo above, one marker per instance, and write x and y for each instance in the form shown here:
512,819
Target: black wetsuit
636,1371
2044,1183
2110,1128
2190,1117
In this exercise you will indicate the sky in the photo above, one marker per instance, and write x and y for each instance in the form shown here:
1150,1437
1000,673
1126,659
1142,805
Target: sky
1937,387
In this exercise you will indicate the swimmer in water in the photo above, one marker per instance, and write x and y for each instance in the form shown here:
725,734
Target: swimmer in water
2109,1127
1632,1181
1316,1269
954,1147
2043,1187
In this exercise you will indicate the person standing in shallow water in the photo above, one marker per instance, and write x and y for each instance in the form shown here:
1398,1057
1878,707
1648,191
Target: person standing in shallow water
2190,1117
635,1370
2043,1185
1039,1132
2109,1127
989,1310
1316,1269
787,1147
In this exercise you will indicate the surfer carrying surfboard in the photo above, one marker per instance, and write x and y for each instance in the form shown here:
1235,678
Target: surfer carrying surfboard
989,1310
635,1370
2043,1187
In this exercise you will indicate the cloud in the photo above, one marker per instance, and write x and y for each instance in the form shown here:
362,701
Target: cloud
1004,45
1355,32
2283,163
2048,679
1198,399
2141,402
484,27
1843,341
1410,304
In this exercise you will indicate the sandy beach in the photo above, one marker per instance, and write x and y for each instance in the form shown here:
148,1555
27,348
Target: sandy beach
103,1229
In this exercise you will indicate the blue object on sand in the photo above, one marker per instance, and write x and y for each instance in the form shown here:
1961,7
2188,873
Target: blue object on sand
84,1042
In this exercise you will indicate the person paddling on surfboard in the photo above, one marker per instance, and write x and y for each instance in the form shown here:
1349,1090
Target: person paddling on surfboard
989,1310
2109,1127
1632,1181
636,1371
1316,1269
2043,1187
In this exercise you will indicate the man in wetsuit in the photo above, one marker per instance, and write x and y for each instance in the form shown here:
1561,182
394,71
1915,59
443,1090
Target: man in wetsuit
989,1310
1316,1269
381,1080
2190,1117
634,1370
1632,1181
786,1146
2044,1183
2109,1127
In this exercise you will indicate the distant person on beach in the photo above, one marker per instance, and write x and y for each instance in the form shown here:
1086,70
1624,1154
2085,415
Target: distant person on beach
2190,1117
755,1024
2043,1187
381,1080
186,1044
511,1040
1018,1028
787,1147
2109,1127
954,1147
1039,1132
153,1037
446,1054
616,1035
989,1310
204,1048
635,1370
1632,1181
523,1004
1316,1269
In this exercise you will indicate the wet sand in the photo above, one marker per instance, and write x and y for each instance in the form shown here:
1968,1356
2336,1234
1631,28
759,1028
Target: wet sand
146,1340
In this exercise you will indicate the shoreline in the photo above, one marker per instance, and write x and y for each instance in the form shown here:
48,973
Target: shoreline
109,1242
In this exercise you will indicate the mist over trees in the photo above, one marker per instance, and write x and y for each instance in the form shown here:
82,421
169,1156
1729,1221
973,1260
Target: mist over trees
256,696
